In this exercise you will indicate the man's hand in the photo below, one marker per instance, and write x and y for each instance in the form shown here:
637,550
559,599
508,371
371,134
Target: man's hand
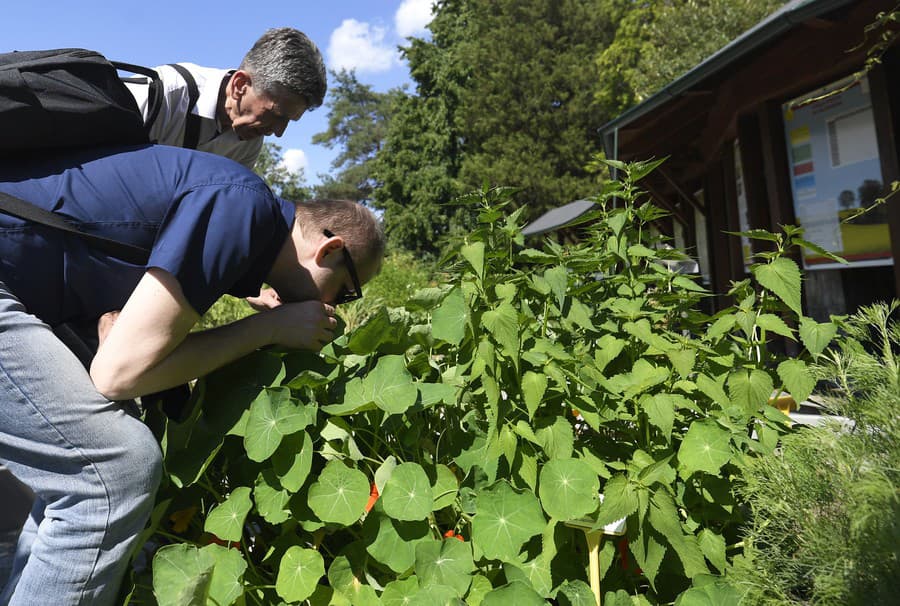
305,325
267,299
105,324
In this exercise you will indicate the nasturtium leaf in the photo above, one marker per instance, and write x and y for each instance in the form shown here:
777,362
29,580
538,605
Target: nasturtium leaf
503,324
293,460
392,542
474,254
782,277
445,487
480,587
271,501
435,393
534,385
299,573
517,593
390,385
558,279
226,520
273,415
407,494
181,576
355,400
504,520
227,578
448,321
798,379
706,447
347,576
400,592
568,489
620,500
750,389
816,336
535,573
448,562
436,595
719,593
476,454
575,593
340,494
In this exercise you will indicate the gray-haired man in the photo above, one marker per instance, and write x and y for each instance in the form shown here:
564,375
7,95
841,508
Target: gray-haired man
280,78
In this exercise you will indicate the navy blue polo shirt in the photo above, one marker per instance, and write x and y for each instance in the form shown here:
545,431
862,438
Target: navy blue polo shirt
210,222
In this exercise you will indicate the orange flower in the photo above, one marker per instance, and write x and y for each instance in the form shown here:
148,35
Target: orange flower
373,496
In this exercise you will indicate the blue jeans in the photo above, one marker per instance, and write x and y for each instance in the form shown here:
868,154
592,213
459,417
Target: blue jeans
93,466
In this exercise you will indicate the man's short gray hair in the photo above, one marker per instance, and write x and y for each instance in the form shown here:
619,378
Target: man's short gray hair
286,56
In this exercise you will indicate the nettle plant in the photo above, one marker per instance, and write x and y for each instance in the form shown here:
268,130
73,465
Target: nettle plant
441,453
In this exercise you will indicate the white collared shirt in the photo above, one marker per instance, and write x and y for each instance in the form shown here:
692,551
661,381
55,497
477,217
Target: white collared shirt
168,128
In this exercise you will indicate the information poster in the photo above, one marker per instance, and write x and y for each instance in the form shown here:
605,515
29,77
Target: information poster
835,170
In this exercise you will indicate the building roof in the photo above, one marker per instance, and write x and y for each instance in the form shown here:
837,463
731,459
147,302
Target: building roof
776,24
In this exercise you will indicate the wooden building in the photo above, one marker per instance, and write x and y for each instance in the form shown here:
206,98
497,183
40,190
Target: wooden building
778,128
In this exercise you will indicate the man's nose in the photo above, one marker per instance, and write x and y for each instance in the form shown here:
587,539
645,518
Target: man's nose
278,128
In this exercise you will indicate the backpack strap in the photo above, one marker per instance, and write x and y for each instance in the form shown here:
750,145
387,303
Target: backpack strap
192,120
154,94
17,207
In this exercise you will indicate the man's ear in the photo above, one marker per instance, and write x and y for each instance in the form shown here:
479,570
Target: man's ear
328,246
240,82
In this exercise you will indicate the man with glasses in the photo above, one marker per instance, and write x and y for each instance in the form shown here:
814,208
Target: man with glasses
212,227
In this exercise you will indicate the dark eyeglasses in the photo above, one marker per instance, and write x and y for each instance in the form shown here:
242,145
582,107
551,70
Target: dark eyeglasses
343,296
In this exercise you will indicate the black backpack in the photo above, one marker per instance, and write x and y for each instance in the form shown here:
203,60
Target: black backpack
73,97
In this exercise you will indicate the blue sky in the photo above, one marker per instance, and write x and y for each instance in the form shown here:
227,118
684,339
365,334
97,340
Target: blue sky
353,34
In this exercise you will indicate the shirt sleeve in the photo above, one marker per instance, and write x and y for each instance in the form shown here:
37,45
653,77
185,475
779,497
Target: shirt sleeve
213,238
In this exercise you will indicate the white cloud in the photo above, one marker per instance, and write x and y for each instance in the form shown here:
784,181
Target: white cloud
359,46
294,160
412,17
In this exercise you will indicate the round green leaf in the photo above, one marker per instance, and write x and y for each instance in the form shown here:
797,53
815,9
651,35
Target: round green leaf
568,489
575,593
228,574
340,494
445,487
390,385
293,460
392,542
226,520
407,494
447,562
347,576
273,415
706,447
535,574
400,593
504,520
271,501
517,593
299,573
181,576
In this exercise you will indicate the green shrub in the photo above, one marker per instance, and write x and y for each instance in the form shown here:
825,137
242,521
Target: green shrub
826,507
493,407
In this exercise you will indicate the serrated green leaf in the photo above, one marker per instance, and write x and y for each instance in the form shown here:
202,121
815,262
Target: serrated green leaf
782,277
474,254
773,323
568,489
298,573
504,520
619,501
750,389
503,324
713,547
340,494
648,553
798,379
721,326
558,280
534,385
557,439
448,321
226,520
816,336
664,518
706,447
660,410
714,389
